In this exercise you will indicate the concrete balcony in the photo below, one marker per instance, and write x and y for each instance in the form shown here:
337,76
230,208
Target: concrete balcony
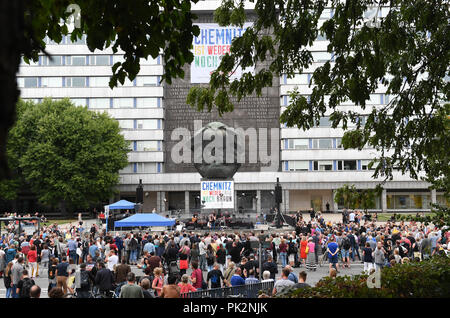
146,156
155,134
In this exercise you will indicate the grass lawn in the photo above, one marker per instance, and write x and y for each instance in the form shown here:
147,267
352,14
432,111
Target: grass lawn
382,217
49,222
59,222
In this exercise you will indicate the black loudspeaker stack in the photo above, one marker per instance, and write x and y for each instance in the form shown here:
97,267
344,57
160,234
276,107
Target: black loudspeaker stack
278,195
140,192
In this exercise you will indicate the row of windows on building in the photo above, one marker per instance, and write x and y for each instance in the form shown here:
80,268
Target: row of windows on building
140,123
397,201
327,165
309,143
411,201
307,78
85,60
66,40
378,11
110,102
314,143
145,145
374,99
326,122
83,81
142,167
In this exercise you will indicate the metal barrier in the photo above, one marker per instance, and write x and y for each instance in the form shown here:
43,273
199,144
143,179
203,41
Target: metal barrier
241,291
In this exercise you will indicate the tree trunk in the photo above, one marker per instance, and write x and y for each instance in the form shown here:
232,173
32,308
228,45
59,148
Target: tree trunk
11,47
63,208
14,205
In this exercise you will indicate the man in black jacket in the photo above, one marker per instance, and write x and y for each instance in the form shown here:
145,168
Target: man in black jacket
312,213
270,266
104,279
235,253
251,264
354,246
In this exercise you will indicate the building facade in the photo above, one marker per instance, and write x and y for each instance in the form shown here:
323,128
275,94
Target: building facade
311,164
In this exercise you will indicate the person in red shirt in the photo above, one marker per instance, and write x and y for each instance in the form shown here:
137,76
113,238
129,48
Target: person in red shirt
113,245
32,261
196,276
283,253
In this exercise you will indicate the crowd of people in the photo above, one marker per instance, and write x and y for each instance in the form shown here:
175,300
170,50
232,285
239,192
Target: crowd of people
90,262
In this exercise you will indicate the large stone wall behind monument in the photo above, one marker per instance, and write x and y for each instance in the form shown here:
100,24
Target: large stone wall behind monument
251,112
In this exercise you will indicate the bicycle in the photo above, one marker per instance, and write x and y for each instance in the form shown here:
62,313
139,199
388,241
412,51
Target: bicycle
105,294
75,294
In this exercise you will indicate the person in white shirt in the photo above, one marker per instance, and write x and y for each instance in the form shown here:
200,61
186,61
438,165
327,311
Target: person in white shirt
112,260
207,240
202,254
351,217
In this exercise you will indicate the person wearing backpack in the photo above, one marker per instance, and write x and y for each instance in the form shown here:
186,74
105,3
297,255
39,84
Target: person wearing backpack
215,276
292,252
24,285
345,251
82,282
184,255
52,273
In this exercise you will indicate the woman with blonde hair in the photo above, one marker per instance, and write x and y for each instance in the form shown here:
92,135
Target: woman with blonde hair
184,285
303,254
158,281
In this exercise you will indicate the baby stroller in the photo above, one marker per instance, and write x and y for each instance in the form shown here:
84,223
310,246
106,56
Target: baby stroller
323,259
174,270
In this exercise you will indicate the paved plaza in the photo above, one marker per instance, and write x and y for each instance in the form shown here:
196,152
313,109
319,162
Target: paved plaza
312,278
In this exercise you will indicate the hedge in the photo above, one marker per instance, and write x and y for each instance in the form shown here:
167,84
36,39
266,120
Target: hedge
426,279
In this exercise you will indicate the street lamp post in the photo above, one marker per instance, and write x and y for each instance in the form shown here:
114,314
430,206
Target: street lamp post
278,200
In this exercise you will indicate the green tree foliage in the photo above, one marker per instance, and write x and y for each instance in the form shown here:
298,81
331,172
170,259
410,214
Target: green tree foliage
140,28
67,155
357,198
426,279
408,52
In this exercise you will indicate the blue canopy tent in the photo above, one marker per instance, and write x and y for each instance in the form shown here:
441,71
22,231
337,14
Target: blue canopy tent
122,205
144,219
119,205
